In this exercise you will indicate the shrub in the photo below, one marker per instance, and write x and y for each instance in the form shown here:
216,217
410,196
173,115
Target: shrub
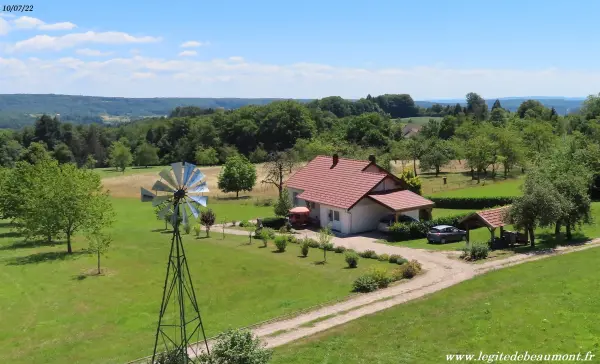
408,231
368,254
233,222
283,230
283,204
246,223
476,251
365,283
187,228
394,258
197,229
401,261
410,269
292,239
281,243
328,246
352,259
381,276
304,248
172,357
313,243
207,219
263,202
476,203
397,274
237,346
273,222
383,258
339,249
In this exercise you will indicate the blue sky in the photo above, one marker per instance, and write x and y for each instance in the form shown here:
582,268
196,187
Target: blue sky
430,49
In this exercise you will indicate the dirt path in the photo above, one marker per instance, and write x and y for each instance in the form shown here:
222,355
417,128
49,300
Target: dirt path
441,271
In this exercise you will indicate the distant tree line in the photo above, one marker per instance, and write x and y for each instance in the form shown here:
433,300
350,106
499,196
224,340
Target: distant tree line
489,139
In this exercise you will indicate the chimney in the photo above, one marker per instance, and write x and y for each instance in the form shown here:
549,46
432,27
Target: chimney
372,158
335,160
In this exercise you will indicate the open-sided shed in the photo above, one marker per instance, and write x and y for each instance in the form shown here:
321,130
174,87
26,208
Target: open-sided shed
491,219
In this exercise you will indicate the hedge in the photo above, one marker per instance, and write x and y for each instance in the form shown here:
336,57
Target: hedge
476,203
273,222
418,230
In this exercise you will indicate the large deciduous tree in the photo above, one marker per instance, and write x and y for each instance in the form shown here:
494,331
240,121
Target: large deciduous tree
476,106
540,205
278,166
146,155
238,174
438,153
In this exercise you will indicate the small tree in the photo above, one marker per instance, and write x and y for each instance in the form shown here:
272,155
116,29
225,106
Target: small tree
325,237
207,219
119,156
90,162
98,244
146,155
437,154
237,347
223,222
238,174
279,165
283,204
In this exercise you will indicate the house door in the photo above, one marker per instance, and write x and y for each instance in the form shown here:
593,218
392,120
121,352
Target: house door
334,220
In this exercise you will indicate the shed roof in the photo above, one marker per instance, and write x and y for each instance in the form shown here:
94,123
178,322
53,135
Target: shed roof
492,218
404,200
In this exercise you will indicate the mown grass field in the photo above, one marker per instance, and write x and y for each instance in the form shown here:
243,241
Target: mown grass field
500,189
54,311
547,306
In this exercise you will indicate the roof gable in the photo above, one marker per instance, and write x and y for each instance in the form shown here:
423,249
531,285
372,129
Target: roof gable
342,185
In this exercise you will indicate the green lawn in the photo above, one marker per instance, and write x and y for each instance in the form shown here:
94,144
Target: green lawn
503,188
437,213
111,172
547,306
52,311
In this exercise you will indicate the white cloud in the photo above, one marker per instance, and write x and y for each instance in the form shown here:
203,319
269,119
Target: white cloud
236,59
188,54
46,42
92,52
193,44
27,22
4,27
239,78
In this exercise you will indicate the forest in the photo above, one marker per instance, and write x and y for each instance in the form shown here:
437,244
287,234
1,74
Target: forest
492,140
18,110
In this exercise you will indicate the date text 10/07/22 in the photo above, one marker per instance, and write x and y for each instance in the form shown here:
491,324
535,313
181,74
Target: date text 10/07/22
17,8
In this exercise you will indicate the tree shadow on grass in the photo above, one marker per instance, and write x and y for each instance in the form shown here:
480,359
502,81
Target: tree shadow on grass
320,262
26,244
547,242
45,257
232,198
11,234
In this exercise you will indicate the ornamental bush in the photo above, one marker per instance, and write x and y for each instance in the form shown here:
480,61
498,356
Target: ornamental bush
351,259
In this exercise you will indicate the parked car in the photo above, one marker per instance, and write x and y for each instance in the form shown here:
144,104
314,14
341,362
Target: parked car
445,234
389,220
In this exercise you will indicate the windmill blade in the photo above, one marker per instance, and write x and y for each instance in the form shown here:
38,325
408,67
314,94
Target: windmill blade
158,200
192,208
163,187
177,171
146,195
184,213
166,175
196,178
163,213
188,169
202,187
202,200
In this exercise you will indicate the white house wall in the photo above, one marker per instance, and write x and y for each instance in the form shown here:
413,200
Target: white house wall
365,215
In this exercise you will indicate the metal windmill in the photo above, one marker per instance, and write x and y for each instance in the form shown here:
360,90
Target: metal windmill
178,190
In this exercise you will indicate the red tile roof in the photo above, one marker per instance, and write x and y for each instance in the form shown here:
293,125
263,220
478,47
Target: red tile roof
341,186
494,217
401,200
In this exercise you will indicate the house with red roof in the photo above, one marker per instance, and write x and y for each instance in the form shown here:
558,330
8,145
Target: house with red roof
351,196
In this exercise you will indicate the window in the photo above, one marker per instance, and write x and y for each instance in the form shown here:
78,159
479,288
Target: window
336,215
295,198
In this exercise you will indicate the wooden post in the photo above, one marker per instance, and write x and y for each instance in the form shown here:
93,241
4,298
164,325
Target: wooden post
492,231
396,216
468,237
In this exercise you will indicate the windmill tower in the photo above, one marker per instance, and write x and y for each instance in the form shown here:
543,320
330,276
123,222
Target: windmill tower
179,323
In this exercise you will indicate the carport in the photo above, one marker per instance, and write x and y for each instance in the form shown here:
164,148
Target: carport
491,219
404,201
